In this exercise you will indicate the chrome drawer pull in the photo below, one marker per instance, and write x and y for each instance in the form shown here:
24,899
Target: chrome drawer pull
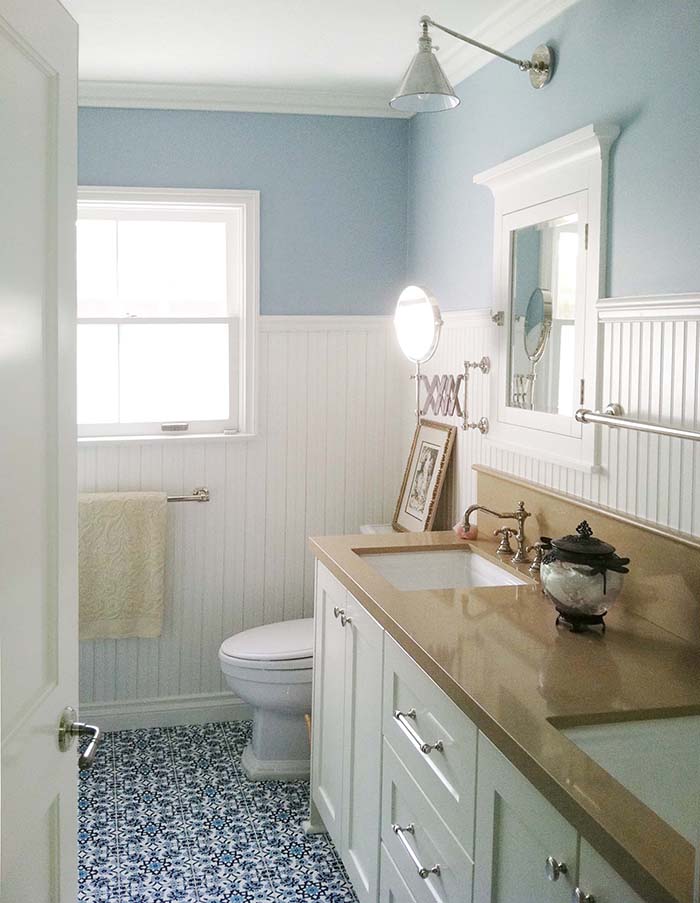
423,872
580,896
419,742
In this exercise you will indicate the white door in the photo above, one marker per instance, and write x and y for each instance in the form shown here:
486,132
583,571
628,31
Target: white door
38,587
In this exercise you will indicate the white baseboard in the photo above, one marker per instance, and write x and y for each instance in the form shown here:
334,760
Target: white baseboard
126,714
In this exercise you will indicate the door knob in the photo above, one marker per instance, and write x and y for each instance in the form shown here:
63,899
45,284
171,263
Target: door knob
69,727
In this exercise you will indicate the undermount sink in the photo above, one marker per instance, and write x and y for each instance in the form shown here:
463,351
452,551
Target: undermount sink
440,569
656,760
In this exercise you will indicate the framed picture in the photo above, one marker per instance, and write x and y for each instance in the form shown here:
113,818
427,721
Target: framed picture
424,476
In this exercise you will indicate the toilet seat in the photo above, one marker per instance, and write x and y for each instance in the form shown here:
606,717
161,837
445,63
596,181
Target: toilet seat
284,646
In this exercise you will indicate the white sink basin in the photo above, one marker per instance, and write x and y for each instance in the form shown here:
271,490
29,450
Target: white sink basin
448,569
657,760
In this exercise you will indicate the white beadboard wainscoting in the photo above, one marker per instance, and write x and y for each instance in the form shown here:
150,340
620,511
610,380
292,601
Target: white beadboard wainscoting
650,365
331,445
335,423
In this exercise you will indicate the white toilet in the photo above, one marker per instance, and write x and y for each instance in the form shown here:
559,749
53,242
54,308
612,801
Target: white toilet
270,668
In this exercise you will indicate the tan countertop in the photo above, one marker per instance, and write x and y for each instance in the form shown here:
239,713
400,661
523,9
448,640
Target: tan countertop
497,653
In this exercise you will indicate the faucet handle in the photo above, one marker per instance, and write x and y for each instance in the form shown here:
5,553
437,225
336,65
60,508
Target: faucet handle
539,548
504,547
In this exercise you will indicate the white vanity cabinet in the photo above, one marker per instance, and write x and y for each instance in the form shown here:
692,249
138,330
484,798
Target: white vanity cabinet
422,807
392,887
525,850
598,882
327,747
346,741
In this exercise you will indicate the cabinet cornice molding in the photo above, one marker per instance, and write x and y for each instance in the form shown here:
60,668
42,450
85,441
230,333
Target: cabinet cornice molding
594,140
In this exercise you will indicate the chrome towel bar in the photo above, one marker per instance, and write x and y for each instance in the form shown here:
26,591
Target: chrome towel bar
200,494
612,416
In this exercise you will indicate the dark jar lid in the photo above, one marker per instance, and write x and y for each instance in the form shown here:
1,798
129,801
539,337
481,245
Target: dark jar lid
584,548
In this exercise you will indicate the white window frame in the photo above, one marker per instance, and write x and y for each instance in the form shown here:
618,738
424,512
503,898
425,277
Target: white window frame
225,205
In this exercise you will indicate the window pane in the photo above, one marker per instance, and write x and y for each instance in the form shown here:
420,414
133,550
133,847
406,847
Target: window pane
98,377
172,269
97,268
174,372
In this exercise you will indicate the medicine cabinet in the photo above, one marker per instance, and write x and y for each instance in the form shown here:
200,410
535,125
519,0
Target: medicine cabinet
549,271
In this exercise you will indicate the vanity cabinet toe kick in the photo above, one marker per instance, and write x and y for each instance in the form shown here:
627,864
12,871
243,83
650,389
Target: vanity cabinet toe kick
421,806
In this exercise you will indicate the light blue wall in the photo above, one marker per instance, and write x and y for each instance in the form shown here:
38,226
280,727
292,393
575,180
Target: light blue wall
634,62
337,237
333,192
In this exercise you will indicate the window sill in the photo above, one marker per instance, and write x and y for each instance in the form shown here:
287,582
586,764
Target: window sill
188,437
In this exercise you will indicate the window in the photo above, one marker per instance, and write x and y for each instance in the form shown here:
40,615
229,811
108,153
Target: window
167,307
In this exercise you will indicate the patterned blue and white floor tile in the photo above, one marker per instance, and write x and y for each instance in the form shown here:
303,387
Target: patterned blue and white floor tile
167,814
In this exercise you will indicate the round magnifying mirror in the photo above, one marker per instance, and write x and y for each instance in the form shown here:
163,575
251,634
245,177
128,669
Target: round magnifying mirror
538,324
417,323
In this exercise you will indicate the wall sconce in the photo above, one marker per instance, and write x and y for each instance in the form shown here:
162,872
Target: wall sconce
425,87
417,322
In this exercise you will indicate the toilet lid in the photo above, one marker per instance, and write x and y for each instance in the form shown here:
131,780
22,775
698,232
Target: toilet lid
280,642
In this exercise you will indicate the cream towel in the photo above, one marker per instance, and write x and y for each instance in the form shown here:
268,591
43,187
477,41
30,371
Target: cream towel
121,564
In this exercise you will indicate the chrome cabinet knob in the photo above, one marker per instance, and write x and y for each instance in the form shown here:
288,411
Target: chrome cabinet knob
580,896
553,869
340,613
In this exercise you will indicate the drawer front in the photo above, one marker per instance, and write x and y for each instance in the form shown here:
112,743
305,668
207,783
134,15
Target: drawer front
392,887
425,844
447,775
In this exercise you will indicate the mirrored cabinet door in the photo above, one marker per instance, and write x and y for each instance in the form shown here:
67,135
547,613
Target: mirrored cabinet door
543,315
545,319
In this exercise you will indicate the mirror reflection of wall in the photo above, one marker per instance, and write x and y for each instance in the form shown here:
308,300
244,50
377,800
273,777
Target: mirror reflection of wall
543,310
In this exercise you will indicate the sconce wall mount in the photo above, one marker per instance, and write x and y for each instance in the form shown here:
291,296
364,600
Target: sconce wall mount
426,89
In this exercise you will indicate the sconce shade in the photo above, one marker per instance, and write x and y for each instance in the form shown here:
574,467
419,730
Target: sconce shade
424,88
417,323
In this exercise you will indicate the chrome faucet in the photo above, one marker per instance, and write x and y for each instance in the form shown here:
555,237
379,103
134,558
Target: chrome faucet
520,515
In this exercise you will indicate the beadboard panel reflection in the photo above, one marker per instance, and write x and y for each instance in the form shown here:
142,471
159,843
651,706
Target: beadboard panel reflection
328,457
652,368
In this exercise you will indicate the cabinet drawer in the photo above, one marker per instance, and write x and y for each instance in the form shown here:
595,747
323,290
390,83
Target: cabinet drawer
425,843
446,775
392,887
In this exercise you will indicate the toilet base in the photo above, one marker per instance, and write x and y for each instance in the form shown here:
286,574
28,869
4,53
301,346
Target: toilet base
274,769
279,749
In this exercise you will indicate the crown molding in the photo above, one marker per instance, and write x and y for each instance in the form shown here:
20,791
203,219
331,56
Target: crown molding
503,30
164,96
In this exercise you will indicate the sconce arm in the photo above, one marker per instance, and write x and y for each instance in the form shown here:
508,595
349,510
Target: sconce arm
525,65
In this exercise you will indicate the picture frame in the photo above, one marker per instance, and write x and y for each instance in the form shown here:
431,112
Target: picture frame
424,476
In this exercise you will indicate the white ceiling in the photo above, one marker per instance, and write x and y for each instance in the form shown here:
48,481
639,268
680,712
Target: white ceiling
278,51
